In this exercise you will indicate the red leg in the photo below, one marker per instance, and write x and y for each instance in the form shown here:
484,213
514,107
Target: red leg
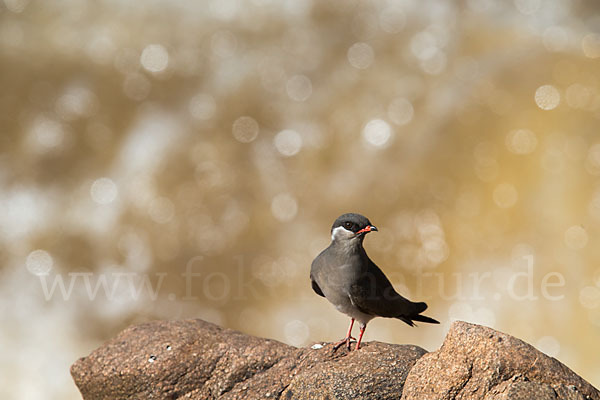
347,339
362,331
349,334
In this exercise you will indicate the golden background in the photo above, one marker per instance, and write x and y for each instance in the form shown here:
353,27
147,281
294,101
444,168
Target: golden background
180,159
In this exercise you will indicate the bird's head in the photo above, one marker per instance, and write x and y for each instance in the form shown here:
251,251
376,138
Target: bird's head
351,227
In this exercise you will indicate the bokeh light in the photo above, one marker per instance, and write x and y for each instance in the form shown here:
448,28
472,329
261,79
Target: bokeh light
299,88
377,133
547,97
361,55
46,134
245,129
39,262
591,45
154,58
576,237
400,111
296,332
288,142
104,191
589,297
521,141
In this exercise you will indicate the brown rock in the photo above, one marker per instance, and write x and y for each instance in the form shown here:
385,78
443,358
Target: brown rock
376,371
476,362
193,359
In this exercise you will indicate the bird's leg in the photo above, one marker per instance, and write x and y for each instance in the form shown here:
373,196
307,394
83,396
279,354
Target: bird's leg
347,339
362,331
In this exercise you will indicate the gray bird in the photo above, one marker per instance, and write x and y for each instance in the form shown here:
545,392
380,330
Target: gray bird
346,276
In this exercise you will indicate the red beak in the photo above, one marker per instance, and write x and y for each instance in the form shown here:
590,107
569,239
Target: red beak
366,229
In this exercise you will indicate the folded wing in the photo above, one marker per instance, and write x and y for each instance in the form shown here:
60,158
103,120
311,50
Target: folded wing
374,294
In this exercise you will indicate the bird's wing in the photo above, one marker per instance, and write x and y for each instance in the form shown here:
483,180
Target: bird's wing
374,294
316,287
315,268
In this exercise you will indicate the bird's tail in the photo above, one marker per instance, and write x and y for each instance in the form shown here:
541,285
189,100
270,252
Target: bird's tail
418,308
415,315
424,318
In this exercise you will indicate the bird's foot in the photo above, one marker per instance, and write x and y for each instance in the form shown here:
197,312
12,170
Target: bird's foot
345,341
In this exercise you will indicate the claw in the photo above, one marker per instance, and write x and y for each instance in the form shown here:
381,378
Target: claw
345,341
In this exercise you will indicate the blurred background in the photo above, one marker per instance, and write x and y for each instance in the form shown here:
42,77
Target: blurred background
181,159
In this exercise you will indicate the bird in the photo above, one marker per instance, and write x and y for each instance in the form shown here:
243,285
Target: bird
344,274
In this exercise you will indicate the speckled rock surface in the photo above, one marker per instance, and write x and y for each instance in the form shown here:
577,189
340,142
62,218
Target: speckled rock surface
172,359
376,371
193,359
476,362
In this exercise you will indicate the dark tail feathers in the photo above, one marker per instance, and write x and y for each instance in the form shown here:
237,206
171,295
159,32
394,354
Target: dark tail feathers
423,318
418,308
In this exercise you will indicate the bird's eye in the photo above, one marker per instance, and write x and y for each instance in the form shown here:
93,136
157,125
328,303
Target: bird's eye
348,225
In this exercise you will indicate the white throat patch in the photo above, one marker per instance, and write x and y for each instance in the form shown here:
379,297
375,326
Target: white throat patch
341,233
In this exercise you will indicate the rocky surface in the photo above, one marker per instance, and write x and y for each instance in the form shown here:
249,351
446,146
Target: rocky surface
476,362
193,359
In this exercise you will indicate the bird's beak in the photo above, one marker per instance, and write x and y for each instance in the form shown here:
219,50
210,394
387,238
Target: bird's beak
367,229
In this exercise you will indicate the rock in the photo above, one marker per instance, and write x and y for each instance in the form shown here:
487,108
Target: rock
193,359
476,362
174,358
377,371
